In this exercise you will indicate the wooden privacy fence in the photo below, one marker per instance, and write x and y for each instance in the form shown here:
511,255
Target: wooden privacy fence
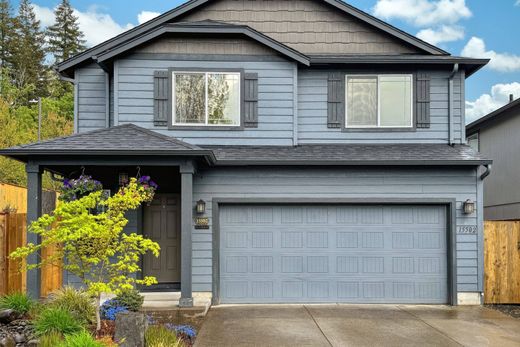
502,262
13,234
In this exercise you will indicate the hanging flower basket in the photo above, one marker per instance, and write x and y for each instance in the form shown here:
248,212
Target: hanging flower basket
77,188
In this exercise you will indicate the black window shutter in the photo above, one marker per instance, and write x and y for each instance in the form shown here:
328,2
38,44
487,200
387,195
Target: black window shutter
335,100
422,91
250,100
161,97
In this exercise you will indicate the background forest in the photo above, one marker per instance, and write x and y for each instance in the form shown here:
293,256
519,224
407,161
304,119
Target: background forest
28,55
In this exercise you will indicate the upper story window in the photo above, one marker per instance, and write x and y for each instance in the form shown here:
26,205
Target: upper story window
379,101
473,142
206,98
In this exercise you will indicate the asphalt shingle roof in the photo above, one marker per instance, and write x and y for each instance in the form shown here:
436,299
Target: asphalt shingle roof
342,154
127,137
131,140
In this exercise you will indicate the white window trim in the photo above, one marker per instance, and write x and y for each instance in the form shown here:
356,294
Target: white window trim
378,126
206,122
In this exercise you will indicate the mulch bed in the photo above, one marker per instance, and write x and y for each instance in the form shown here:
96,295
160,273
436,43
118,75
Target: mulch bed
510,310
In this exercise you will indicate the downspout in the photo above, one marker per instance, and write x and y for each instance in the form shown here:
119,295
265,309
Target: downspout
295,105
450,106
487,172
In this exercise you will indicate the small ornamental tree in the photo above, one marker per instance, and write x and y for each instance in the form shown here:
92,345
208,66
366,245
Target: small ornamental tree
94,244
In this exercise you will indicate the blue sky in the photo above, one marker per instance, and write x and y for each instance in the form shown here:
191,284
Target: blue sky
478,28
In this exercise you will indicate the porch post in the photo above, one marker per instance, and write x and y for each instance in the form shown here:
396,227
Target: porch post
186,170
34,211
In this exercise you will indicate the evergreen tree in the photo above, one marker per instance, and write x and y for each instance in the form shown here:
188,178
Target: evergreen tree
6,32
64,37
28,53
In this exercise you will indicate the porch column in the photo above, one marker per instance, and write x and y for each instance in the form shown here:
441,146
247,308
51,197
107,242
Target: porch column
186,170
34,211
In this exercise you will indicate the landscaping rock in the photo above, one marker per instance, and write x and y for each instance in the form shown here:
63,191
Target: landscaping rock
19,338
7,341
130,329
7,316
33,343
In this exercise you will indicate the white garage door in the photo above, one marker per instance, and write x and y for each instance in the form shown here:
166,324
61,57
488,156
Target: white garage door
336,253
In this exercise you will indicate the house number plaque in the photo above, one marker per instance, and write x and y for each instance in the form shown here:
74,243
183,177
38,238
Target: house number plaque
467,229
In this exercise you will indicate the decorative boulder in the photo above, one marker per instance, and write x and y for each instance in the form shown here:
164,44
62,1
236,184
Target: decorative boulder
130,329
7,316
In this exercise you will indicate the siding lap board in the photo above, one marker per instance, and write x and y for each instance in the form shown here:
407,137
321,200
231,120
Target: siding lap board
92,101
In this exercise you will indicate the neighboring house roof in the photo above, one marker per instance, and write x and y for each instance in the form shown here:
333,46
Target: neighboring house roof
500,114
127,139
194,4
132,140
204,27
349,154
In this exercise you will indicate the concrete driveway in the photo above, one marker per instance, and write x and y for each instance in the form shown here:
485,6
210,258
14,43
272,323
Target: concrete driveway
357,325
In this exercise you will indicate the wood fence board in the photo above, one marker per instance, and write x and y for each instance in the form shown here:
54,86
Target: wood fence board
3,254
502,262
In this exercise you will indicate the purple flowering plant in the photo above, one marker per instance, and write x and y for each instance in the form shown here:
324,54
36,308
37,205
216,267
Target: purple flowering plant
74,189
148,184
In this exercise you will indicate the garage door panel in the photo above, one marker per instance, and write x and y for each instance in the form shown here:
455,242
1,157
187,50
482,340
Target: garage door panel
273,254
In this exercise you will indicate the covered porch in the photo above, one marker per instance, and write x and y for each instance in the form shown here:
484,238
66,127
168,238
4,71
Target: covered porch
112,156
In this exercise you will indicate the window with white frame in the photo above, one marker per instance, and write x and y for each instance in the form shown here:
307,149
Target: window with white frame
379,101
206,98
473,142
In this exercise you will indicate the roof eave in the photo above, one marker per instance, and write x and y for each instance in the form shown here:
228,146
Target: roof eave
205,29
225,162
487,119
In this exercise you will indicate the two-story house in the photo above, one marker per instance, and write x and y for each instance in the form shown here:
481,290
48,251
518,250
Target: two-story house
325,147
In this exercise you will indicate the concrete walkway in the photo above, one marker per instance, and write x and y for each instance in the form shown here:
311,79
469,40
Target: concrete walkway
357,325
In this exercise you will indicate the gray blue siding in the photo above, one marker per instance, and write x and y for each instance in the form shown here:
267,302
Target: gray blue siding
280,183
91,106
312,116
134,101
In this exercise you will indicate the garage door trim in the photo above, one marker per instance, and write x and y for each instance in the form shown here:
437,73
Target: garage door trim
450,220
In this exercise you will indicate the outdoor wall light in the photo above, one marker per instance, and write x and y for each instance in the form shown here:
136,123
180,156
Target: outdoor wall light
123,179
469,206
201,206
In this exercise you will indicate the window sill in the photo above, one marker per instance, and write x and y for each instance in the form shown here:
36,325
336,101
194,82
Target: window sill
206,127
377,130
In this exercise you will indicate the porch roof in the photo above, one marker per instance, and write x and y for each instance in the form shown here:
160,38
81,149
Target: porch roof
122,140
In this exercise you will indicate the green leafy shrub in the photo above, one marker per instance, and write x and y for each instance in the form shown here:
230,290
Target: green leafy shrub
78,302
50,340
56,320
131,299
159,336
18,302
82,339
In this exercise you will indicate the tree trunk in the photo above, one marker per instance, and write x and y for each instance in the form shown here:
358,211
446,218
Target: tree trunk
98,315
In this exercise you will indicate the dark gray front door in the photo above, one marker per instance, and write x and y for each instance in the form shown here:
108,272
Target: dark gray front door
162,225
333,253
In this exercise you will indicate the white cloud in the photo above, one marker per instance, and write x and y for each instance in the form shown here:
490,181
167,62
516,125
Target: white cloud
423,13
96,26
488,103
503,62
445,33
145,16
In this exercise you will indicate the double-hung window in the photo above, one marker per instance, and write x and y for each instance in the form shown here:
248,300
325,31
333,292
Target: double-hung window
379,101
206,98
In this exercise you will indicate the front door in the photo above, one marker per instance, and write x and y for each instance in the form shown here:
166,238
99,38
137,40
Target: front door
162,225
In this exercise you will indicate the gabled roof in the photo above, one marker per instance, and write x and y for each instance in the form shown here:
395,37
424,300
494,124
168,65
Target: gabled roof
127,139
349,154
501,113
204,27
194,4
